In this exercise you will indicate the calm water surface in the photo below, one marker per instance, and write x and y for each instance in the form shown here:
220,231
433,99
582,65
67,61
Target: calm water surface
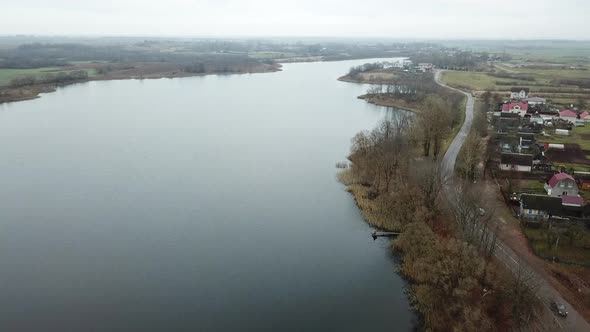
194,204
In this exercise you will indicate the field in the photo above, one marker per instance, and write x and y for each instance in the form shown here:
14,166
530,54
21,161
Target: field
579,135
8,74
542,81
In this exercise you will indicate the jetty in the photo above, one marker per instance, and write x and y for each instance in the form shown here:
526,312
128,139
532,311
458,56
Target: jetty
377,234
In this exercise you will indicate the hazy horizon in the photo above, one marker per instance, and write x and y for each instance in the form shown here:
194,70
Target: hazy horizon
371,19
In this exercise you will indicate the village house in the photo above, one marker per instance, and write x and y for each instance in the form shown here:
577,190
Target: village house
536,208
516,162
585,184
516,107
535,101
561,184
568,115
519,93
424,67
585,116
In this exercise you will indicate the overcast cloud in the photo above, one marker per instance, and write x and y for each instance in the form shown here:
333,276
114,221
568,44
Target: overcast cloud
513,19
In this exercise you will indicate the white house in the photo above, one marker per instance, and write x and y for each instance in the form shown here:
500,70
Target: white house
516,162
561,184
519,93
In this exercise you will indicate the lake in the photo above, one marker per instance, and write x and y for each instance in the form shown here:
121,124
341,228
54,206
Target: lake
195,204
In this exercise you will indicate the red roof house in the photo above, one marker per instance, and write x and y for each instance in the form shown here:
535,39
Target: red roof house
561,184
568,115
516,107
558,177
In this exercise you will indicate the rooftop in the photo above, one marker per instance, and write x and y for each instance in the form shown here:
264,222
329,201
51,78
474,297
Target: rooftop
515,104
549,204
559,177
568,114
518,89
572,200
517,159
536,99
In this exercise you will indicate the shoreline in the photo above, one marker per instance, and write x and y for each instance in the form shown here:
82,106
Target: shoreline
389,102
30,92
380,101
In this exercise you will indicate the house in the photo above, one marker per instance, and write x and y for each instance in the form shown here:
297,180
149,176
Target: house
575,201
561,184
519,93
424,67
585,184
535,101
585,116
516,162
568,115
536,208
516,107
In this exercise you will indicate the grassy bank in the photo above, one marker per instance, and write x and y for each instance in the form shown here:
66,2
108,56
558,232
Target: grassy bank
391,102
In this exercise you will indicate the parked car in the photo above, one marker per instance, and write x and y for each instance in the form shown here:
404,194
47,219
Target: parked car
559,308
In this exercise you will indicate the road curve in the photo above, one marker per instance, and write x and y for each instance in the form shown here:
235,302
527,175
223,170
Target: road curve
574,321
450,156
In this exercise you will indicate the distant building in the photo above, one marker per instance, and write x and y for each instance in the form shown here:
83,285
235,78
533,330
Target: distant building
516,162
425,66
516,107
585,116
536,208
519,93
535,101
561,184
568,115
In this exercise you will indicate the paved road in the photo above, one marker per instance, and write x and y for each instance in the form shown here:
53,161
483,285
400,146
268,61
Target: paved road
574,321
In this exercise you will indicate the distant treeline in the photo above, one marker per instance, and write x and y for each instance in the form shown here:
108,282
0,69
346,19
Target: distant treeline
49,55
57,78
452,59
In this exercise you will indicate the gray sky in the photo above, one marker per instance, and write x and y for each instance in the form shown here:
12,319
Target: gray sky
477,19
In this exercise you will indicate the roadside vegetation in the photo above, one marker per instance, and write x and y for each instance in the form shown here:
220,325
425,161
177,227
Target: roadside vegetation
456,284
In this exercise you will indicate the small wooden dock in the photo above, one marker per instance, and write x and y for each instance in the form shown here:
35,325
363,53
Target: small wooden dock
377,234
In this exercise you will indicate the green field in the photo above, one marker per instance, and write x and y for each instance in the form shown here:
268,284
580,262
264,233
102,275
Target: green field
8,74
574,138
470,80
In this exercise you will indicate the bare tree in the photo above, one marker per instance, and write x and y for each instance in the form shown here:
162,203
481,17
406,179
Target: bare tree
433,124
523,291
430,179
